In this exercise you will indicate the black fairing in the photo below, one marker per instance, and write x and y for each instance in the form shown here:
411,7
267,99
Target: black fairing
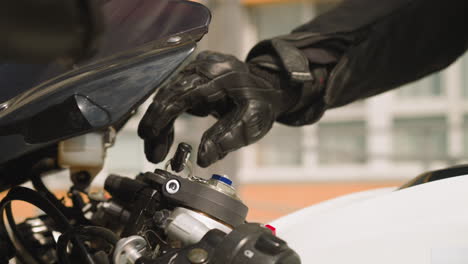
145,41
437,175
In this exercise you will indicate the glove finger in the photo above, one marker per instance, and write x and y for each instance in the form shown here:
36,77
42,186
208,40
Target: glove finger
168,104
156,148
158,117
245,124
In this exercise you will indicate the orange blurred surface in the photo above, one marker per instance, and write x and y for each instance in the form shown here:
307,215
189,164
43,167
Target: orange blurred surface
267,202
23,210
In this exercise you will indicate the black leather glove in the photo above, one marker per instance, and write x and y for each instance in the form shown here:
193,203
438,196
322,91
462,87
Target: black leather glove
246,98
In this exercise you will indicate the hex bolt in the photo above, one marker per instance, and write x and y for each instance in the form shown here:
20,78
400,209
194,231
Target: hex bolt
197,255
172,186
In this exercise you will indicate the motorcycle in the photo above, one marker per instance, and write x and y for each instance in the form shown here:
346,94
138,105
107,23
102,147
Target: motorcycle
62,116
66,116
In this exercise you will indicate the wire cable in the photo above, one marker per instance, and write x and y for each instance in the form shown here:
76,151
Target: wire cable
18,236
87,231
34,198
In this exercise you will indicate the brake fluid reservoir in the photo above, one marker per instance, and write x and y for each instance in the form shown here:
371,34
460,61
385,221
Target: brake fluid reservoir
83,153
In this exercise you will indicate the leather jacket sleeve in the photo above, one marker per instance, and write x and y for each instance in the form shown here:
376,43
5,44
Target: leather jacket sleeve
375,46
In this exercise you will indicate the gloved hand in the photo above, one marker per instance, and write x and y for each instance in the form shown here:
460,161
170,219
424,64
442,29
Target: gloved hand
246,98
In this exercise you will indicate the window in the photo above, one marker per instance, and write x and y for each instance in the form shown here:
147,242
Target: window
282,146
343,142
428,87
420,139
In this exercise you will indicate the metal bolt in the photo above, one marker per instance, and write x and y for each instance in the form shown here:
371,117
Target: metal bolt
249,253
197,255
3,106
174,39
128,250
222,184
160,217
172,186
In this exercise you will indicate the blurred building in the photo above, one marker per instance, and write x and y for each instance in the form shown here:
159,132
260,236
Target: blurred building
393,136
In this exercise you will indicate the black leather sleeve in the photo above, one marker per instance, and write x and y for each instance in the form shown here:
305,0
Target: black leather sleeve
380,45
393,42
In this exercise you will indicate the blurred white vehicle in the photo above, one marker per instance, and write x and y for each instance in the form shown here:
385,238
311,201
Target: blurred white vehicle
424,222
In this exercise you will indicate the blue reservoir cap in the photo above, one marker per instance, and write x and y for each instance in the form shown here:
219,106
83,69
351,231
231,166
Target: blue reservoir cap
221,178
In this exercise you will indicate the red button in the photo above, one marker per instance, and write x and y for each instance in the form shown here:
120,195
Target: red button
272,228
